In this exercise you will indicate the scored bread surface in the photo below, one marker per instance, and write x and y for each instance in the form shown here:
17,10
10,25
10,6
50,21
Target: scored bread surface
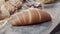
30,16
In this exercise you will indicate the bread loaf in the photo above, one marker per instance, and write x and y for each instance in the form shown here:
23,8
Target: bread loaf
11,5
30,16
9,8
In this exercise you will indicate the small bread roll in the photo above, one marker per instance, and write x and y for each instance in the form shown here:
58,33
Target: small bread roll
45,1
30,16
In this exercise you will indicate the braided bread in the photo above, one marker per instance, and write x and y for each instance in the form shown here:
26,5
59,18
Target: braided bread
9,7
30,16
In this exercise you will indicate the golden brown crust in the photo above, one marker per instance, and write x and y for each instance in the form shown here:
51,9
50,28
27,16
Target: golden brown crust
34,16
25,17
45,16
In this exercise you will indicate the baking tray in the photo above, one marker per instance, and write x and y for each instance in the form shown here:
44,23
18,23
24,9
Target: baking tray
44,28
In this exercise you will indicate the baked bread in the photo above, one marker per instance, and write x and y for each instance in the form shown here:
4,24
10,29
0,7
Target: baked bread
6,10
45,1
30,16
9,8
